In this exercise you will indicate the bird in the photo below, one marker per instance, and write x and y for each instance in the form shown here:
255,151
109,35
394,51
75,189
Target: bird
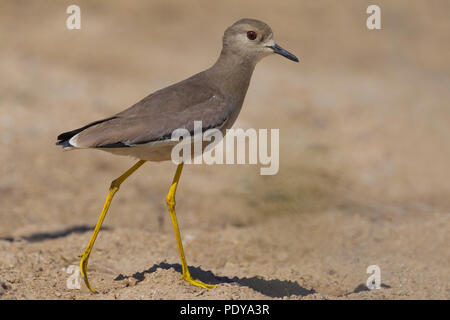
143,131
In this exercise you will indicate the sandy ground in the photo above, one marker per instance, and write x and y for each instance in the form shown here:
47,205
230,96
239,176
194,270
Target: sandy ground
364,149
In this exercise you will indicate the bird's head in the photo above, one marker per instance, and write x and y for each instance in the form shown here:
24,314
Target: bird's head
252,39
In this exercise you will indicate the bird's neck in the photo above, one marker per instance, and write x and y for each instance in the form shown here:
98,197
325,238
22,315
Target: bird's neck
231,74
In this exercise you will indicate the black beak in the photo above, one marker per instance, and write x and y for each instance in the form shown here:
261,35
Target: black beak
277,49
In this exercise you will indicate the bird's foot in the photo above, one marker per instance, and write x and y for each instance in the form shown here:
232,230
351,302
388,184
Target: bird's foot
83,269
187,277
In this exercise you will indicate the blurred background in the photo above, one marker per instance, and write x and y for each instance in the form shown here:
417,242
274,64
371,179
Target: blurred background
364,149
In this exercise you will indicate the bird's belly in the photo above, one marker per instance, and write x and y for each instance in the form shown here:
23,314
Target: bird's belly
160,151
153,151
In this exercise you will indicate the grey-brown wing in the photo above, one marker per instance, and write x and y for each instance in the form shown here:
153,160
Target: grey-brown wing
154,125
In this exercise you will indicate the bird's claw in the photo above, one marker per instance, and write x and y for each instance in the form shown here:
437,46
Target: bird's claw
197,283
83,270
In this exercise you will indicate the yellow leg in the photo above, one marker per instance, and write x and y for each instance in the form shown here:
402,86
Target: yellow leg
115,185
171,205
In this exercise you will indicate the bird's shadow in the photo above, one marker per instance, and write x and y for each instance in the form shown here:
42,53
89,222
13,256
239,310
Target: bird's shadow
272,288
43,236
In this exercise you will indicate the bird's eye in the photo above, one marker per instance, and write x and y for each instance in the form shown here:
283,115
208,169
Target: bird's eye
251,35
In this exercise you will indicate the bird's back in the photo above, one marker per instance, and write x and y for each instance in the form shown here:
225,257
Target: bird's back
156,116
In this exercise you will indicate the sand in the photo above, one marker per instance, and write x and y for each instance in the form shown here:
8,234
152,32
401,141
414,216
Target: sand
364,152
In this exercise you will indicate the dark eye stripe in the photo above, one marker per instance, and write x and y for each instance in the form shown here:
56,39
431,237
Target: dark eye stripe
251,35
